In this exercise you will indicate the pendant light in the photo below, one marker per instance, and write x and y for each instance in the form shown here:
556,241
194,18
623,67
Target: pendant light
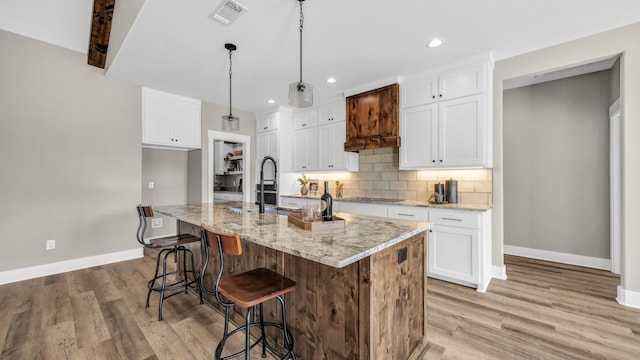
300,93
230,122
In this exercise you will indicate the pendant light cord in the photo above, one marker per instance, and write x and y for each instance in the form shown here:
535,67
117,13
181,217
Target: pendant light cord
230,66
301,26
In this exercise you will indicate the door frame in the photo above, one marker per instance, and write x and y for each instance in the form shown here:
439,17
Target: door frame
245,140
615,185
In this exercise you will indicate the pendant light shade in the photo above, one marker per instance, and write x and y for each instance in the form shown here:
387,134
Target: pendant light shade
230,122
300,93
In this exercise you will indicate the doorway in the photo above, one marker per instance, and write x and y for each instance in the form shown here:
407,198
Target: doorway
237,154
558,202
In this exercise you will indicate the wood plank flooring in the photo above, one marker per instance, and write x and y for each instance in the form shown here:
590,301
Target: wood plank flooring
543,311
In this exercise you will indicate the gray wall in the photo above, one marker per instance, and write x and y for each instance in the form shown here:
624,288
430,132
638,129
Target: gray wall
556,158
194,178
168,169
69,156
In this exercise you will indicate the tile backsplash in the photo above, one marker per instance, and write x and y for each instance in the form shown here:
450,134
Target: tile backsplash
379,176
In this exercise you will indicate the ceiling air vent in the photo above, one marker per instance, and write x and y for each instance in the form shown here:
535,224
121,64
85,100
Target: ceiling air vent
228,12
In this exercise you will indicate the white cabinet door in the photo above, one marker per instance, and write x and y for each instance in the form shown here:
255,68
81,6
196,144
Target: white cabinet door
186,124
267,122
305,119
419,92
333,112
305,150
461,133
331,154
453,254
267,145
461,82
157,120
419,134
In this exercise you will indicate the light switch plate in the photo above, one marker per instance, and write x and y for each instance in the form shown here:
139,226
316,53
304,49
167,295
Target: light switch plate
156,223
151,185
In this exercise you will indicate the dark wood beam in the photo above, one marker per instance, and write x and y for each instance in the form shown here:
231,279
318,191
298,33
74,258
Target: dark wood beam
100,30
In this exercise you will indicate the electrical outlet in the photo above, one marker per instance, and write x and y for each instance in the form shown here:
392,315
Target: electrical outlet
151,185
156,223
51,244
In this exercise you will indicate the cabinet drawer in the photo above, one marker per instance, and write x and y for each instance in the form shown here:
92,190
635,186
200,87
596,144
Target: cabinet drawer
408,213
455,218
363,209
293,202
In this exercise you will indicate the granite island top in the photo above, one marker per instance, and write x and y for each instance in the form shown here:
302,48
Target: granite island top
361,237
385,201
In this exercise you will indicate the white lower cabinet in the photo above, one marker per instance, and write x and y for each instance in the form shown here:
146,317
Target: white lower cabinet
459,247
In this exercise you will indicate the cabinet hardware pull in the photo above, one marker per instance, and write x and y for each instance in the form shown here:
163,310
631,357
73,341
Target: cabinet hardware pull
452,219
433,97
401,214
440,95
440,160
433,160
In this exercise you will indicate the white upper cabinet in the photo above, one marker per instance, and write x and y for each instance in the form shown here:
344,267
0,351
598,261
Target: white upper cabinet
305,119
319,137
170,121
461,82
331,154
305,150
267,145
445,121
267,122
332,113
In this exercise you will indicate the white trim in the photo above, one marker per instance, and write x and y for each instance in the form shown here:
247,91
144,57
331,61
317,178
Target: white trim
628,298
68,265
615,185
499,272
571,259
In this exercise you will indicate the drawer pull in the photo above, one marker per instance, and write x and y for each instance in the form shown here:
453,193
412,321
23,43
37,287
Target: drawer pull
452,219
401,214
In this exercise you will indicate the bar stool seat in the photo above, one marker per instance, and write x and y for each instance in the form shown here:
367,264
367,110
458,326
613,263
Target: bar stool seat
248,290
186,277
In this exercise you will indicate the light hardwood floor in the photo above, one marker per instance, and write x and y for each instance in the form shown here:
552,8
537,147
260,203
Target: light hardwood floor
543,311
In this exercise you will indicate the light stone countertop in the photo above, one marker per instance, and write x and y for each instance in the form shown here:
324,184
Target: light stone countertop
458,206
361,237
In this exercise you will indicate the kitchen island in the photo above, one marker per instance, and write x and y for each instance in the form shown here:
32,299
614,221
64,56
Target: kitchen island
361,290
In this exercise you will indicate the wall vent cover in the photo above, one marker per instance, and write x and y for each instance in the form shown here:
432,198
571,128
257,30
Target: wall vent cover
228,12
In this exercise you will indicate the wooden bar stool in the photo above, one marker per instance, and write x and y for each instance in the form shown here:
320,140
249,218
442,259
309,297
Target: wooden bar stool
169,245
247,290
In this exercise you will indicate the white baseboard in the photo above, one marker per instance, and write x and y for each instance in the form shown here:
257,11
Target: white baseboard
68,265
571,259
628,298
499,272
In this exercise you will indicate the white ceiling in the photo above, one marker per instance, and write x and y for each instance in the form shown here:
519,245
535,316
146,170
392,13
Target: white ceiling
174,46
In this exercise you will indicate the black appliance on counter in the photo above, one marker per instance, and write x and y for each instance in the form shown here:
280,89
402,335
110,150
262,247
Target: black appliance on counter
270,194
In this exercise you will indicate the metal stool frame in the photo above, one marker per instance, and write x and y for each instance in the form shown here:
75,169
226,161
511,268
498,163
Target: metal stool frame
170,245
250,321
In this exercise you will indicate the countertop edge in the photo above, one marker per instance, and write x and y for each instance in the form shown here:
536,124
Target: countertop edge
413,203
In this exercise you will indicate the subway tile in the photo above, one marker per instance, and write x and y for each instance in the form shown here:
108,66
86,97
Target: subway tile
365,185
466,186
449,174
388,158
474,198
475,174
407,175
417,185
373,176
427,175
363,168
389,175
408,195
397,185
483,186
381,185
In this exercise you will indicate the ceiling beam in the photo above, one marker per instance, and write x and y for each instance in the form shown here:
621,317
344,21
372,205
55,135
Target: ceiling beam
100,30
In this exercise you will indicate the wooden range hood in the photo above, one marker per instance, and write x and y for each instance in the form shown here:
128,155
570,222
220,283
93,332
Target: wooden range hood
373,119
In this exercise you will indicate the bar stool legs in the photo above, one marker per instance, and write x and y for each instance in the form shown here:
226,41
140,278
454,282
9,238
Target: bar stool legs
184,270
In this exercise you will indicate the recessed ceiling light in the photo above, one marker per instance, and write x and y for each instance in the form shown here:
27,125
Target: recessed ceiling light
434,43
331,80
271,101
